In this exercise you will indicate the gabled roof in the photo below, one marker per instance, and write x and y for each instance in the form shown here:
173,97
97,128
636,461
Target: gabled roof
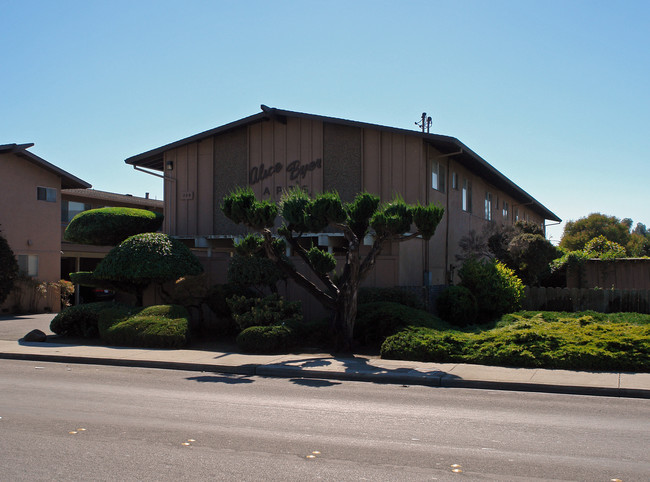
153,159
67,179
104,196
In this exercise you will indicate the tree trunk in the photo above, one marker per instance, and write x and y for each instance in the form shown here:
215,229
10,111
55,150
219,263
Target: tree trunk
344,318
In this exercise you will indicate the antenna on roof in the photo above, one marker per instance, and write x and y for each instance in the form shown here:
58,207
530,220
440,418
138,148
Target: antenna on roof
425,122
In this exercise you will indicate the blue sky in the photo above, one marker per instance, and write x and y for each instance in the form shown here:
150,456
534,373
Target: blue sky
554,94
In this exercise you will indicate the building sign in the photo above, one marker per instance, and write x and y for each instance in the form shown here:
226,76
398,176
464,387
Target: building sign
295,172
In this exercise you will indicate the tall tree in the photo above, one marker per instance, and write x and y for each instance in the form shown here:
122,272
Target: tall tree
8,269
390,222
578,233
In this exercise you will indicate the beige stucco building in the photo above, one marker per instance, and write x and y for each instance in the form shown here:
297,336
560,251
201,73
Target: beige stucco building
30,215
275,149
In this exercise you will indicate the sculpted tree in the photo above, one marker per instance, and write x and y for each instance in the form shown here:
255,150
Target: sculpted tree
110,226
144,259
390,222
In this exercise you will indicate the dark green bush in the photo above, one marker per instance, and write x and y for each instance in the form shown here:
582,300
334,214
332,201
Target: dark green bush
457,306
254,271
8,269
376,321
270,310
79,321
496,288
267,339
395,295
217,297
110,226
148,331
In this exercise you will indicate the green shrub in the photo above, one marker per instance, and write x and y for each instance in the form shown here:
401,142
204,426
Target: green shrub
148,331
253,271
457,305
496,288
267,339
110,226
425,344
8,269
270,310
376,321
395,295
79,321
573,341
217,296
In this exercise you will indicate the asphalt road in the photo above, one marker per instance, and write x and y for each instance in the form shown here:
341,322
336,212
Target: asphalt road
85,422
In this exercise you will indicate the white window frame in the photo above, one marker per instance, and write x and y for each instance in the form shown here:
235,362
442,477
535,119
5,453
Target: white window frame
28,265
488,206
438,174
467,196
65,209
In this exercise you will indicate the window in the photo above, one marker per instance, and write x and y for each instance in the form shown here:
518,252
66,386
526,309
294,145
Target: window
516,214
47,194
28,265
467,195
488,206
69,209
454,181
438,176
505,210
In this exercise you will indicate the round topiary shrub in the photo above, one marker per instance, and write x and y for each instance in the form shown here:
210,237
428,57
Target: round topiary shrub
266,339
112,225
457,305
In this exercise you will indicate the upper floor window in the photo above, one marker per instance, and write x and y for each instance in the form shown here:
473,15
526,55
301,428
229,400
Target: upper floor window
69,209
46,194
467,195
438,176
454,181
505,210
488,206
28,265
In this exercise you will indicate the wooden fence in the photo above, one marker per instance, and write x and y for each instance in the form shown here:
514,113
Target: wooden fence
574,299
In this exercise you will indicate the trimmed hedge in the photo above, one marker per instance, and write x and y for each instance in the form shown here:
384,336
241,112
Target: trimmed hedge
79,321
148,331
267,339
164,326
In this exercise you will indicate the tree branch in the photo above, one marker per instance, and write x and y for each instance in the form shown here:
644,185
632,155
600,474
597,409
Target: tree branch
291,271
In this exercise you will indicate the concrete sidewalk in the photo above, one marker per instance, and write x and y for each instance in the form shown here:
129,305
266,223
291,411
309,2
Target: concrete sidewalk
323,366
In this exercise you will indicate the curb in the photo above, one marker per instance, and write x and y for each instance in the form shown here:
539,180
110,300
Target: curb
410,377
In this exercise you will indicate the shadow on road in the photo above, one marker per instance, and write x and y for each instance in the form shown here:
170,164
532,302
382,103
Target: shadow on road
227,379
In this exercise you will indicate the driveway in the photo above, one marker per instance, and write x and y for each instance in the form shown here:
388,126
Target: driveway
14,327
